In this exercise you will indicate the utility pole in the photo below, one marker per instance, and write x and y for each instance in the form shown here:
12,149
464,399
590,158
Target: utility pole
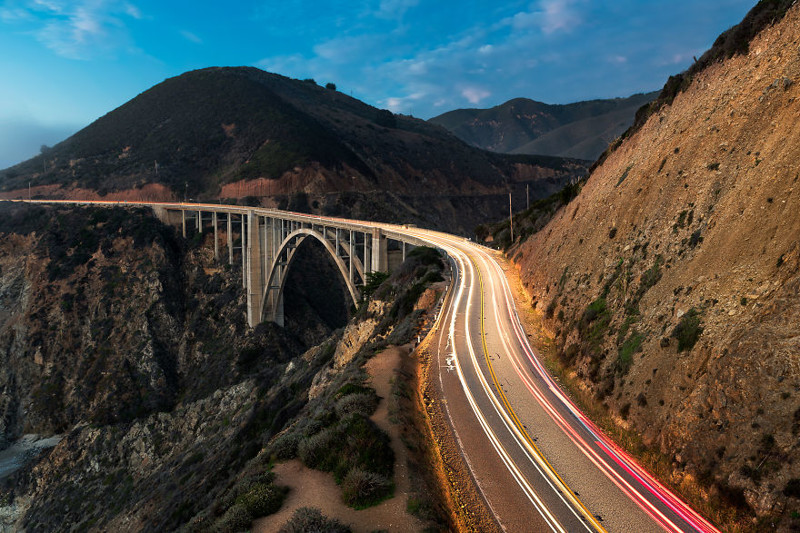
29,191
511,217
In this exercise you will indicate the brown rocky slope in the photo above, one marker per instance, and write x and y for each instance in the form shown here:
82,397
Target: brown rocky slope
672,282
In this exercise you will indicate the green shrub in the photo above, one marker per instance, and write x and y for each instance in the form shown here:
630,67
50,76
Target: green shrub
374,280
285,446
314,450
362,403
235,519
309,519
632,345
261,499
362,488
593,324
688,330
352,388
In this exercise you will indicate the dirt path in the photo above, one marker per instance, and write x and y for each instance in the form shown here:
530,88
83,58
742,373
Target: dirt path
318,489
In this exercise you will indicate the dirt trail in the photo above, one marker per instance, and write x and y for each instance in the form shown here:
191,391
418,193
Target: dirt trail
318,489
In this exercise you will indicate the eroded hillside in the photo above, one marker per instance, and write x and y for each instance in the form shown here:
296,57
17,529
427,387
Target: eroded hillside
671,283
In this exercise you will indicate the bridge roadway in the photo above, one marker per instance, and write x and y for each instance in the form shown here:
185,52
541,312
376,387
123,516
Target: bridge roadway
537,461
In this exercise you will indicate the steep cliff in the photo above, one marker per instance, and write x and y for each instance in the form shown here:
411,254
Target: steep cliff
671,283
132,344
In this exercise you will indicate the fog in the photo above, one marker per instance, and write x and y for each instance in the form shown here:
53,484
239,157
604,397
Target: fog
22,139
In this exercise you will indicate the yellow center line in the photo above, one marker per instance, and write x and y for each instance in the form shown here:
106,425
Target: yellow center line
553,474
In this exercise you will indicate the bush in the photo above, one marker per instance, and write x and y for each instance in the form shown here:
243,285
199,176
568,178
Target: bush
361,488
308,519
363,403
261,499
688,330
374,280
315,449
285,446
632,345
235,519
593,324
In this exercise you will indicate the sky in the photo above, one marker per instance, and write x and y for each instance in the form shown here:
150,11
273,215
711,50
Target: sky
65,63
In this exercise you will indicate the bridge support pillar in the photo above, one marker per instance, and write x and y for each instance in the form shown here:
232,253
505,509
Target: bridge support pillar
350,254
230,240
244,252
216,237
183,223
255,279
199,222
367,256
380,252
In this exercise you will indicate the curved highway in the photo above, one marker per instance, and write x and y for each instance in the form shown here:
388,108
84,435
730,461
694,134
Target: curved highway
538,462
554,460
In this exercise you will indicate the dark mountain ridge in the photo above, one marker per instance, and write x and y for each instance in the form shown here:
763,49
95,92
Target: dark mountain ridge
581,129
238,132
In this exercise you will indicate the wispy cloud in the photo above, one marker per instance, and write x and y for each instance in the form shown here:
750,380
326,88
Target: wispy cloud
393,9
76,30
559,15
191,37
474,95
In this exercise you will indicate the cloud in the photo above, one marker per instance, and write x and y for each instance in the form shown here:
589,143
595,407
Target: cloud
191,37
559,15
474,95
549,17
76,30
11,14
393,9
404,103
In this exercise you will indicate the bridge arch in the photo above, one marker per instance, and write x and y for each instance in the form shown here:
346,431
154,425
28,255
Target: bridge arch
276,275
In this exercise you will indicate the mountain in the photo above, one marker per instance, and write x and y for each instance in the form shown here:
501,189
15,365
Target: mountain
671,282
238,132
581,130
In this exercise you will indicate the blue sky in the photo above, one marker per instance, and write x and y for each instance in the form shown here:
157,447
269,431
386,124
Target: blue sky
64,63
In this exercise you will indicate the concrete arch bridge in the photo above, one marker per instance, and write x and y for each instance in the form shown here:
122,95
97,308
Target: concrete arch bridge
269,239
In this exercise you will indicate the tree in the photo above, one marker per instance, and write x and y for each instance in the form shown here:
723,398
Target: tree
331,86
385,118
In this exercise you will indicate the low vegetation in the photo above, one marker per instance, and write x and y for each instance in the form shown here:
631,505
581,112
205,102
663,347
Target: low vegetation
336,434
310,519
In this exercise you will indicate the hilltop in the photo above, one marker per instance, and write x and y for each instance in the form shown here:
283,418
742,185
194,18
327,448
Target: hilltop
242,132
581,130
669,284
